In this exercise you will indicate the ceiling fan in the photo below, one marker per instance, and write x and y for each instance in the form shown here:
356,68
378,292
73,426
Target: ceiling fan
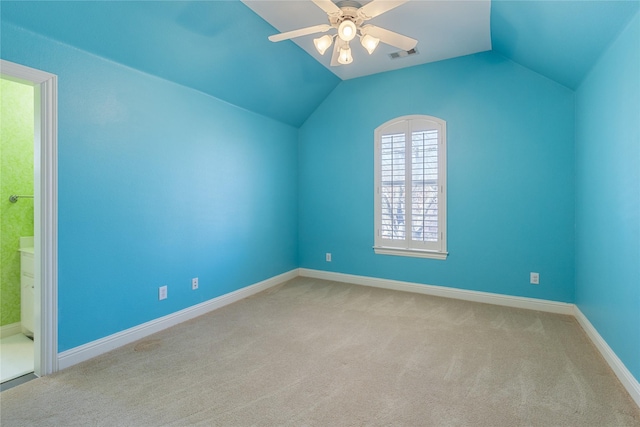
348,18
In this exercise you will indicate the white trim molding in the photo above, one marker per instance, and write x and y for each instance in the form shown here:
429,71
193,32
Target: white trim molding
95,348
626,378
381,250
45,193
11,329
441,291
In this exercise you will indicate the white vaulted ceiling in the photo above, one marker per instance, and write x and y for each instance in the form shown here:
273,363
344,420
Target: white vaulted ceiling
444,29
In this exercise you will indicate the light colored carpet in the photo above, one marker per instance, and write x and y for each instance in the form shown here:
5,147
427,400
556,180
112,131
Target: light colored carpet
317,353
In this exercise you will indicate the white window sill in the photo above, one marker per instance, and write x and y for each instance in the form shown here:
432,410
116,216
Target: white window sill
381,250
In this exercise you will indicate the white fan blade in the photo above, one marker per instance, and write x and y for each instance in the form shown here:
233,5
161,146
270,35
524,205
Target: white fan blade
336,53
301,32
390,38
378,7
328,6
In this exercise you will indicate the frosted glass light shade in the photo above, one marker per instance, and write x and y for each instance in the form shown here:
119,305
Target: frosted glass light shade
345,57
323,43
369,42
347,30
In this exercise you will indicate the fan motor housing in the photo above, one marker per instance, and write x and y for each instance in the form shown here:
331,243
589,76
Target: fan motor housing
348,12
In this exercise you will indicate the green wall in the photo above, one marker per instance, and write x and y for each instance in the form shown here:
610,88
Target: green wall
16,177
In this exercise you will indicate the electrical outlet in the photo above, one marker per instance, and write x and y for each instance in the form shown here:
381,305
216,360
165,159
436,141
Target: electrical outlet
534,278
327,257
162,292
194,283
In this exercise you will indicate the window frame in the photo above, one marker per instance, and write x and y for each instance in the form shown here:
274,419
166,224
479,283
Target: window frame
408,246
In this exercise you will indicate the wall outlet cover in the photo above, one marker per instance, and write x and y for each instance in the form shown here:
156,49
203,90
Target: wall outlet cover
534,278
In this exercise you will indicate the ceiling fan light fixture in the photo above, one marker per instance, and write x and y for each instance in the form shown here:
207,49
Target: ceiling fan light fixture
369,42
348,17
323,43
344,57
347,30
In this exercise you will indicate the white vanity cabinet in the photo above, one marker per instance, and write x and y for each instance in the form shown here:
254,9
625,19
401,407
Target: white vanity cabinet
27,292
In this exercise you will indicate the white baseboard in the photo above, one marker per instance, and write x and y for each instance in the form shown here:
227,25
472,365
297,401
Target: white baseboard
626,378
11,329
441,291
95,348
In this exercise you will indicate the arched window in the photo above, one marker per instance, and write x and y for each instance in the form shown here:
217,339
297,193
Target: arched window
410,187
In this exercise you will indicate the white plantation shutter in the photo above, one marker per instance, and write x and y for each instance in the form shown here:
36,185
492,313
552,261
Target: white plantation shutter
410,198
424,186
393,186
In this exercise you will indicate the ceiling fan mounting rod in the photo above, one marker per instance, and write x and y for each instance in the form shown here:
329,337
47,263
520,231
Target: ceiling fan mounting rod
349,3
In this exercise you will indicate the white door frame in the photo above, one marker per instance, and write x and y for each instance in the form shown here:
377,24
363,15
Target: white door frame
45,182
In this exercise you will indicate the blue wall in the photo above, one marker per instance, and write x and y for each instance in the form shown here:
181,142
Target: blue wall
158,183
608,196
510,176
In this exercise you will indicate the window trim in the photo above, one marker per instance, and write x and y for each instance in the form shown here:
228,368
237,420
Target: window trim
403,247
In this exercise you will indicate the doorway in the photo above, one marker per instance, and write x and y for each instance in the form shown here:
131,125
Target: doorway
16,229
44,199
